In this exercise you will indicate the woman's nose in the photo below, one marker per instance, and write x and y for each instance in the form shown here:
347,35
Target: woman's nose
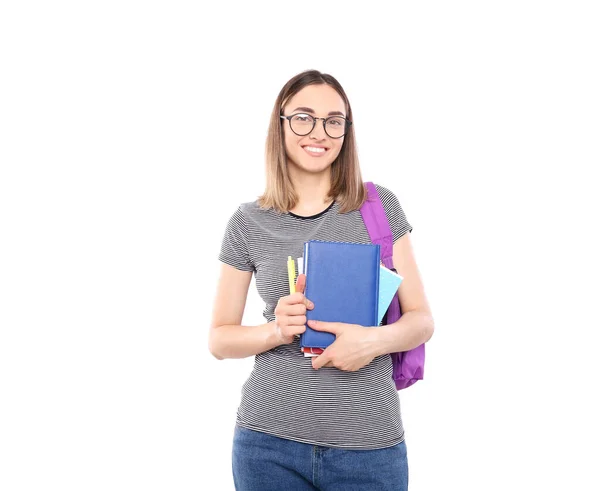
318,132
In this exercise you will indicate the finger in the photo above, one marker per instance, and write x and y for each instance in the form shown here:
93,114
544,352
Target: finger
294,309
300,287
295,329
332,327
307,303
301,283
295,298
320,361
297,320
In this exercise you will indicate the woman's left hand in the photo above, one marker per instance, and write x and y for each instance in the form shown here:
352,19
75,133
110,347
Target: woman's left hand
352,349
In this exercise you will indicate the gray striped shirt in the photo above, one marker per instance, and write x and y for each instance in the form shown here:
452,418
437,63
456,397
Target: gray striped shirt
284,396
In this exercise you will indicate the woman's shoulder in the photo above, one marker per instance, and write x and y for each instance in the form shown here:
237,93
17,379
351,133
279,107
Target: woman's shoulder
249,211
250,208
394,211
385,192
388,198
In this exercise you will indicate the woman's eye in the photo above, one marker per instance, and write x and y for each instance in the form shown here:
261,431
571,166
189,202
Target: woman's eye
302,117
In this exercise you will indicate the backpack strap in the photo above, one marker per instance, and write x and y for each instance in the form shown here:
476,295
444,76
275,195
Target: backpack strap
377,224
379,230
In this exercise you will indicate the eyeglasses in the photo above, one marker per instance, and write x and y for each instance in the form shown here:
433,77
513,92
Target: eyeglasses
302,124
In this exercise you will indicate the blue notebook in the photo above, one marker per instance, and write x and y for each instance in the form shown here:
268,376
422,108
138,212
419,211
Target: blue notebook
342,280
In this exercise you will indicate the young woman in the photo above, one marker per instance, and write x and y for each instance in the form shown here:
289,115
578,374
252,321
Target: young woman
331,421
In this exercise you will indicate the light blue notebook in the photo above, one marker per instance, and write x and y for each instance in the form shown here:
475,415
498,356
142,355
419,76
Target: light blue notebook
388,285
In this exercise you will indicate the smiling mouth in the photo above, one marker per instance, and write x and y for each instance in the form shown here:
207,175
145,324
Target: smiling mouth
315,151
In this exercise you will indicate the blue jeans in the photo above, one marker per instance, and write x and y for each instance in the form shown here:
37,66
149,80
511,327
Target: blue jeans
263,462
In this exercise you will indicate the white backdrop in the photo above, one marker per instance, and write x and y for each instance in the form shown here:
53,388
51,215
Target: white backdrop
130,131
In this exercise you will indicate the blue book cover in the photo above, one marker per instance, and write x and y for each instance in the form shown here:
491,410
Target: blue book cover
342,280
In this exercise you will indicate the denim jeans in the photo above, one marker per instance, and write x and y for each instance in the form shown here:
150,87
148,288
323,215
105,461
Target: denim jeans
263,462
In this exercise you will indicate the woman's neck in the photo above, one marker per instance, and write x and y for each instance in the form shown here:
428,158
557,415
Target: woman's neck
312,191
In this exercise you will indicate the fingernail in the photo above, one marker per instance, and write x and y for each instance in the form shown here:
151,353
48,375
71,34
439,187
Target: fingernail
310,304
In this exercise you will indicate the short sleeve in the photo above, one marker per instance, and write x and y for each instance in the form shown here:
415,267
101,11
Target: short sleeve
234,247
394,212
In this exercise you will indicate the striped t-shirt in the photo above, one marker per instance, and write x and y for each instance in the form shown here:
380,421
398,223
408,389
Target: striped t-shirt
284,395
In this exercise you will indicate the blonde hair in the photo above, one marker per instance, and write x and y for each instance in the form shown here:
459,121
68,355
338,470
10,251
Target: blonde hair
347,187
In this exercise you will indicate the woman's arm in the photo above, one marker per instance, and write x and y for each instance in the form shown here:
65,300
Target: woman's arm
227,337
416,325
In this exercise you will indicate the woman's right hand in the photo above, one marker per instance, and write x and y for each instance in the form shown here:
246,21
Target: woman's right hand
290,313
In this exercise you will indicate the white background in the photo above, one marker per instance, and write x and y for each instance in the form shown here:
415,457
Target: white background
131,131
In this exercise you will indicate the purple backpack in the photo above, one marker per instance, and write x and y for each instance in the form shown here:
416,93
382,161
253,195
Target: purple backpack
408,365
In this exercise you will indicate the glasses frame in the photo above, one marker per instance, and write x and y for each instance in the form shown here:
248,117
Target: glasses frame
314,118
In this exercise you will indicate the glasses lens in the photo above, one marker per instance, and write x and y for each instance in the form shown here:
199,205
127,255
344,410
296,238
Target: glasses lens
335,127
302,124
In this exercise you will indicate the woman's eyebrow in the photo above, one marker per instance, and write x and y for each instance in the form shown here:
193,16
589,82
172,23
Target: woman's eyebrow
309,110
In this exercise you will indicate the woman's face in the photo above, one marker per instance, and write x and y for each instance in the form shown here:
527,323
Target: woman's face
303,152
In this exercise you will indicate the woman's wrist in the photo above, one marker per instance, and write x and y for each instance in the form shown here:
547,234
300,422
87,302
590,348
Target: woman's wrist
274,337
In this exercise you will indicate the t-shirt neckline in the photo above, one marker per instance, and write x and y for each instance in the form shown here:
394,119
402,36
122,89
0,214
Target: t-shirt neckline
313,216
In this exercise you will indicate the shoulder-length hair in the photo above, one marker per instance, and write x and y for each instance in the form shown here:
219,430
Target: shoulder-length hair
347,187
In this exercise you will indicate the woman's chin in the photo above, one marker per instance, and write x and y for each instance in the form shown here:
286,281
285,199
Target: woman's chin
314,167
